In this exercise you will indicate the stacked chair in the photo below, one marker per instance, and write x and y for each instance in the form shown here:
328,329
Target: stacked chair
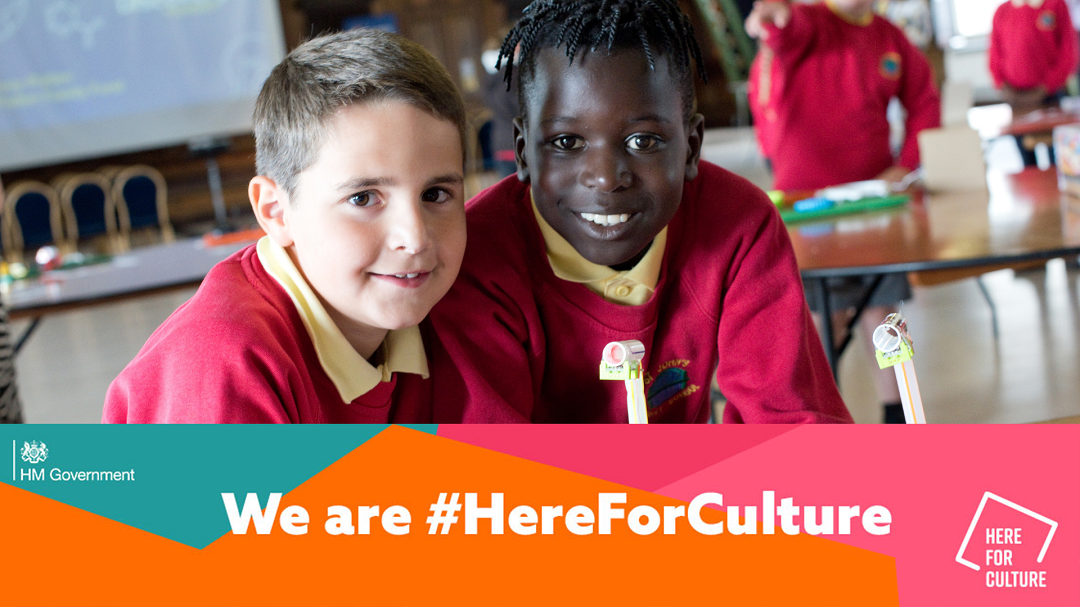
96,212
31,219
142,204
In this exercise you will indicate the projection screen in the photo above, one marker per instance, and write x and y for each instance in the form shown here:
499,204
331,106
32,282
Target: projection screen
88,78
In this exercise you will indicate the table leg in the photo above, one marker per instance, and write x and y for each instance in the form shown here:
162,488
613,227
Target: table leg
822,289
21,341
859,308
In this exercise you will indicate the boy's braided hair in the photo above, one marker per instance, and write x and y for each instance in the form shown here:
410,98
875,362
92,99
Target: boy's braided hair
656,27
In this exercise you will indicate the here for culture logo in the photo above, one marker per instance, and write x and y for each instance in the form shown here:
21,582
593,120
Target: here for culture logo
34,452
1016,542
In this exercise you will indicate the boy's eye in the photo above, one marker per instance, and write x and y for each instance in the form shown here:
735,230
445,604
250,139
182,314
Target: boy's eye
642,143
568,142
435,195
363,199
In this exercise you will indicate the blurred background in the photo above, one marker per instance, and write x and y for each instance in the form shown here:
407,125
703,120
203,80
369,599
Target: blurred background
97,87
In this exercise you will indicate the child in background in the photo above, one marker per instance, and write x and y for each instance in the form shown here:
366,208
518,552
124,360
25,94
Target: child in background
360,155
821,104
614,230
1033,51
503,104
10,405
834,67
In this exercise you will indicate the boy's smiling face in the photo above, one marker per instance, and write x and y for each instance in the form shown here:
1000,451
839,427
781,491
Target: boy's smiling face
377,222
606,149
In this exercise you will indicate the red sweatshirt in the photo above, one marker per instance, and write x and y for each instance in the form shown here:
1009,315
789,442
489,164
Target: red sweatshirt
829,83
522,345
1033,46
238,352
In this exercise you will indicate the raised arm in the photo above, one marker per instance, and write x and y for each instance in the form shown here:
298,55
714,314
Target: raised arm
781,27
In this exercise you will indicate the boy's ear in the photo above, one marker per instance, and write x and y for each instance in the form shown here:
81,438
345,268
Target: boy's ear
696,132
269,202
519,151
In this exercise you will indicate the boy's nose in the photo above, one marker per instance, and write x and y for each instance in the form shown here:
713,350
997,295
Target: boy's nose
605,171
407,229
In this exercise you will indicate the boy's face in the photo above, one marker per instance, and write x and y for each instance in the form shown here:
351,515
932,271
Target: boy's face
377,225
606,149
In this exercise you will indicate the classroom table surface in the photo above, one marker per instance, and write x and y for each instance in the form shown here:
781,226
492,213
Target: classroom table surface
1022,218
997,120
142,271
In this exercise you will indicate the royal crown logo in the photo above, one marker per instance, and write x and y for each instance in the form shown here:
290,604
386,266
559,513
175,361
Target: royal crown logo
34,452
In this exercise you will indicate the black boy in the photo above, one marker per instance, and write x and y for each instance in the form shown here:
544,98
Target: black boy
614,230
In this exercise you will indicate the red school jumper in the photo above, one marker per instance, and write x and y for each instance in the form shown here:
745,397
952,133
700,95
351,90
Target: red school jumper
828,85
238,352
1033,46
518,344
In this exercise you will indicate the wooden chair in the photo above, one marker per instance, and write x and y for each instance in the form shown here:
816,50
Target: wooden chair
141,197
32,218
110,171
89,210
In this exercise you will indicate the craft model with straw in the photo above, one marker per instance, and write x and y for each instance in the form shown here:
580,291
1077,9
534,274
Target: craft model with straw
622,360
894,349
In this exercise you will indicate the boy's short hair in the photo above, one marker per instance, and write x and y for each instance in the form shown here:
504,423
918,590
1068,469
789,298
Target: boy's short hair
326,73
654,27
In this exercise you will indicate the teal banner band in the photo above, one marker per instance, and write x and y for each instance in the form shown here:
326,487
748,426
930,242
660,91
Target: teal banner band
168,480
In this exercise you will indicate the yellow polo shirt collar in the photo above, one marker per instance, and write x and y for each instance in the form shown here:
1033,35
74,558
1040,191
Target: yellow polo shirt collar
402,351
865,20
632,287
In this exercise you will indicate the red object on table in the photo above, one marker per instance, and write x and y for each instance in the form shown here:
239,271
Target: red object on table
216,239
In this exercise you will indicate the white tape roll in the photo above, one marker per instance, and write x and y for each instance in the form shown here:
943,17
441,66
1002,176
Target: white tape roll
889,334
618,352
886,338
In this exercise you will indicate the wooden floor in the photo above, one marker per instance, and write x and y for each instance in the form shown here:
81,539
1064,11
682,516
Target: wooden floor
1029,373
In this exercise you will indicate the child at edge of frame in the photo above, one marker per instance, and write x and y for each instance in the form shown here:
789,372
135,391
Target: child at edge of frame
10,403
821,88
1033,52
614,229
318,321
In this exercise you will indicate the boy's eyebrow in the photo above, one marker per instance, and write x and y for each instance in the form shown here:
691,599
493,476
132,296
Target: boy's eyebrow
646,118
452,178
361,183
548,121
651,118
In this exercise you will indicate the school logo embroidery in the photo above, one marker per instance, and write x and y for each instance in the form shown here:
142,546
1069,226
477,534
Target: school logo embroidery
1046,21
890,65
670,384
34,452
